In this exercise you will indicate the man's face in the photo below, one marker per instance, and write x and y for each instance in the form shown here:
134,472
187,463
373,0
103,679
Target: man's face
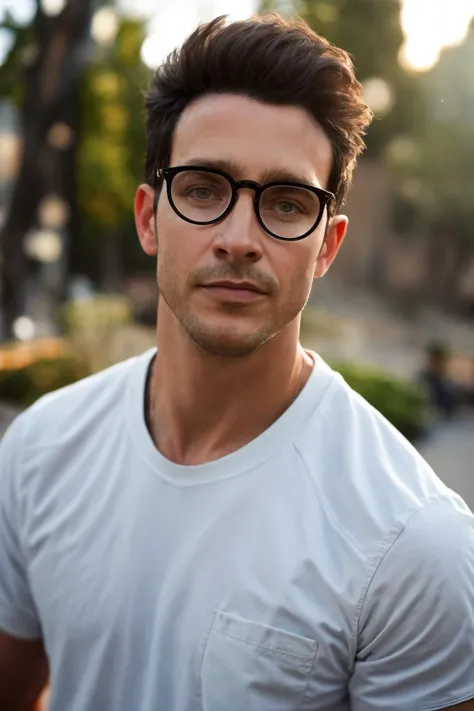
252,141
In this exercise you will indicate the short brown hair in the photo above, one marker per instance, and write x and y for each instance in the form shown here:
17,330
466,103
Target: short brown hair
269,59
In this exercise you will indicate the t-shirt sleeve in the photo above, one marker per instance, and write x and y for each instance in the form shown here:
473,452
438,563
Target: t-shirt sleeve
416,624
17,610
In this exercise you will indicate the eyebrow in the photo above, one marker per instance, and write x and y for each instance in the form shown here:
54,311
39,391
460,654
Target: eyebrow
232,168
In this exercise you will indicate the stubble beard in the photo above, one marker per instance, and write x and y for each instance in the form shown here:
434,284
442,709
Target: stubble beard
221,342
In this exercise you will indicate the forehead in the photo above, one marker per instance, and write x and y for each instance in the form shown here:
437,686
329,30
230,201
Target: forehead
257,137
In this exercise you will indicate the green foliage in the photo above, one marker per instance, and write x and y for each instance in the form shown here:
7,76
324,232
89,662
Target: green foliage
23,386
103,312
368,29
436,178
443,168
90,325
111,145
111,155
400,401
12,68
94,325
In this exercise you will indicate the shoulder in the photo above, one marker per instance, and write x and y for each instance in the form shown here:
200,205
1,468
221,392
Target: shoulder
64,434
370,478
431,555
415,629
76,405
438,540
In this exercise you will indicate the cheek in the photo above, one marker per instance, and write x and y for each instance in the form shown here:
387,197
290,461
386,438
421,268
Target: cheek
296,266
178,250
169,266
167,234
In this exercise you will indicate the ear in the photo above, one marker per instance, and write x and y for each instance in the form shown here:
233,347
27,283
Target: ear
336,231
145,219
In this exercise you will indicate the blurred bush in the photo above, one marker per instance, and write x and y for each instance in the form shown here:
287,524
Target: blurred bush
402,402
91,326
98,332
22,386
101,312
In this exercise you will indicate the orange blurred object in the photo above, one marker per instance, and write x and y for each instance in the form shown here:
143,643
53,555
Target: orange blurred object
22,354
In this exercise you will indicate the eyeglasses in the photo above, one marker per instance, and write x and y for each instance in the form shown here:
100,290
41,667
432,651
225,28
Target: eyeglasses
205,196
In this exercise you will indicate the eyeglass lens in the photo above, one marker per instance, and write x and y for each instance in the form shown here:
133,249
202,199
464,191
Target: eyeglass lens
286,211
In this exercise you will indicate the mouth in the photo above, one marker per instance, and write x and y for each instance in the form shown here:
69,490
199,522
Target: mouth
234,290
239,285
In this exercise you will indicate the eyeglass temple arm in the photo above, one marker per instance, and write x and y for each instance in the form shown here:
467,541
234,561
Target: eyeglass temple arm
161,176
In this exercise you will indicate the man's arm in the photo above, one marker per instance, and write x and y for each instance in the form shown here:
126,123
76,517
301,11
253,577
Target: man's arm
23,673
416,623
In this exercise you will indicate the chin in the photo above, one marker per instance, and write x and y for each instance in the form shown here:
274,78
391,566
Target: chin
228,344
228,350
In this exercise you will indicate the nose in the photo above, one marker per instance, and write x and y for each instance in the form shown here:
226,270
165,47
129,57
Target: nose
238,237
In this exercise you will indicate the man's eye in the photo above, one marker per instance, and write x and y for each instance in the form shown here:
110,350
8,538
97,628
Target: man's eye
201,193
288,208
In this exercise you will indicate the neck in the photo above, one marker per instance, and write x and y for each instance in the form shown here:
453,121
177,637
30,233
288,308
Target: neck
204,406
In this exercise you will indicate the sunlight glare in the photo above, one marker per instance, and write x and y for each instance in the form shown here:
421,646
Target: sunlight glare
429,25
166,34
173,22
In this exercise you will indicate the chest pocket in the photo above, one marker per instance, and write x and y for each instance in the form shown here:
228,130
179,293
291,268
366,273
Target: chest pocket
249,667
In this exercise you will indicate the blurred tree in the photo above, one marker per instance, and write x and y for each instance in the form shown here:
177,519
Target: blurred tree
42,73
111,158
370,30
436,176
83,141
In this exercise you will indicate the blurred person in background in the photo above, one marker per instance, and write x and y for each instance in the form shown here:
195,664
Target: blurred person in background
435,379
222,523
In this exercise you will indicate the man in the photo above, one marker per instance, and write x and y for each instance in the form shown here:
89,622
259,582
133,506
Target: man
223,523
434,378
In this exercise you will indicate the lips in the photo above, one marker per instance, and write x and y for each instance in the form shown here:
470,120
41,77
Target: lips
237,292
234,285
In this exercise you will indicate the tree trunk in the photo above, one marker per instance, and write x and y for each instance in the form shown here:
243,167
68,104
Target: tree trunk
52,83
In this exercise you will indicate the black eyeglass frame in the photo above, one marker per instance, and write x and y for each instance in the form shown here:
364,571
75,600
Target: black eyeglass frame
168,174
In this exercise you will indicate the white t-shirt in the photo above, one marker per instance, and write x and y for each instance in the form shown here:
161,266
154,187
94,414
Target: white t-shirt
323,566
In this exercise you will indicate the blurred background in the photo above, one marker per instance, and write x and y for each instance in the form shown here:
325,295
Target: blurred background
396,313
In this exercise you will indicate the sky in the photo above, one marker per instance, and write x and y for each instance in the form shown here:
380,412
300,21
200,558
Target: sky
429,24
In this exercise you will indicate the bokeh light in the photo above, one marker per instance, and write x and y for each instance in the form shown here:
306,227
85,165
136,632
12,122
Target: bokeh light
104,26
24,328
379,96
52,7
429,25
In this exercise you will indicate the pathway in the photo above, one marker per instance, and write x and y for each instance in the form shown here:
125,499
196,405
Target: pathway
450,451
